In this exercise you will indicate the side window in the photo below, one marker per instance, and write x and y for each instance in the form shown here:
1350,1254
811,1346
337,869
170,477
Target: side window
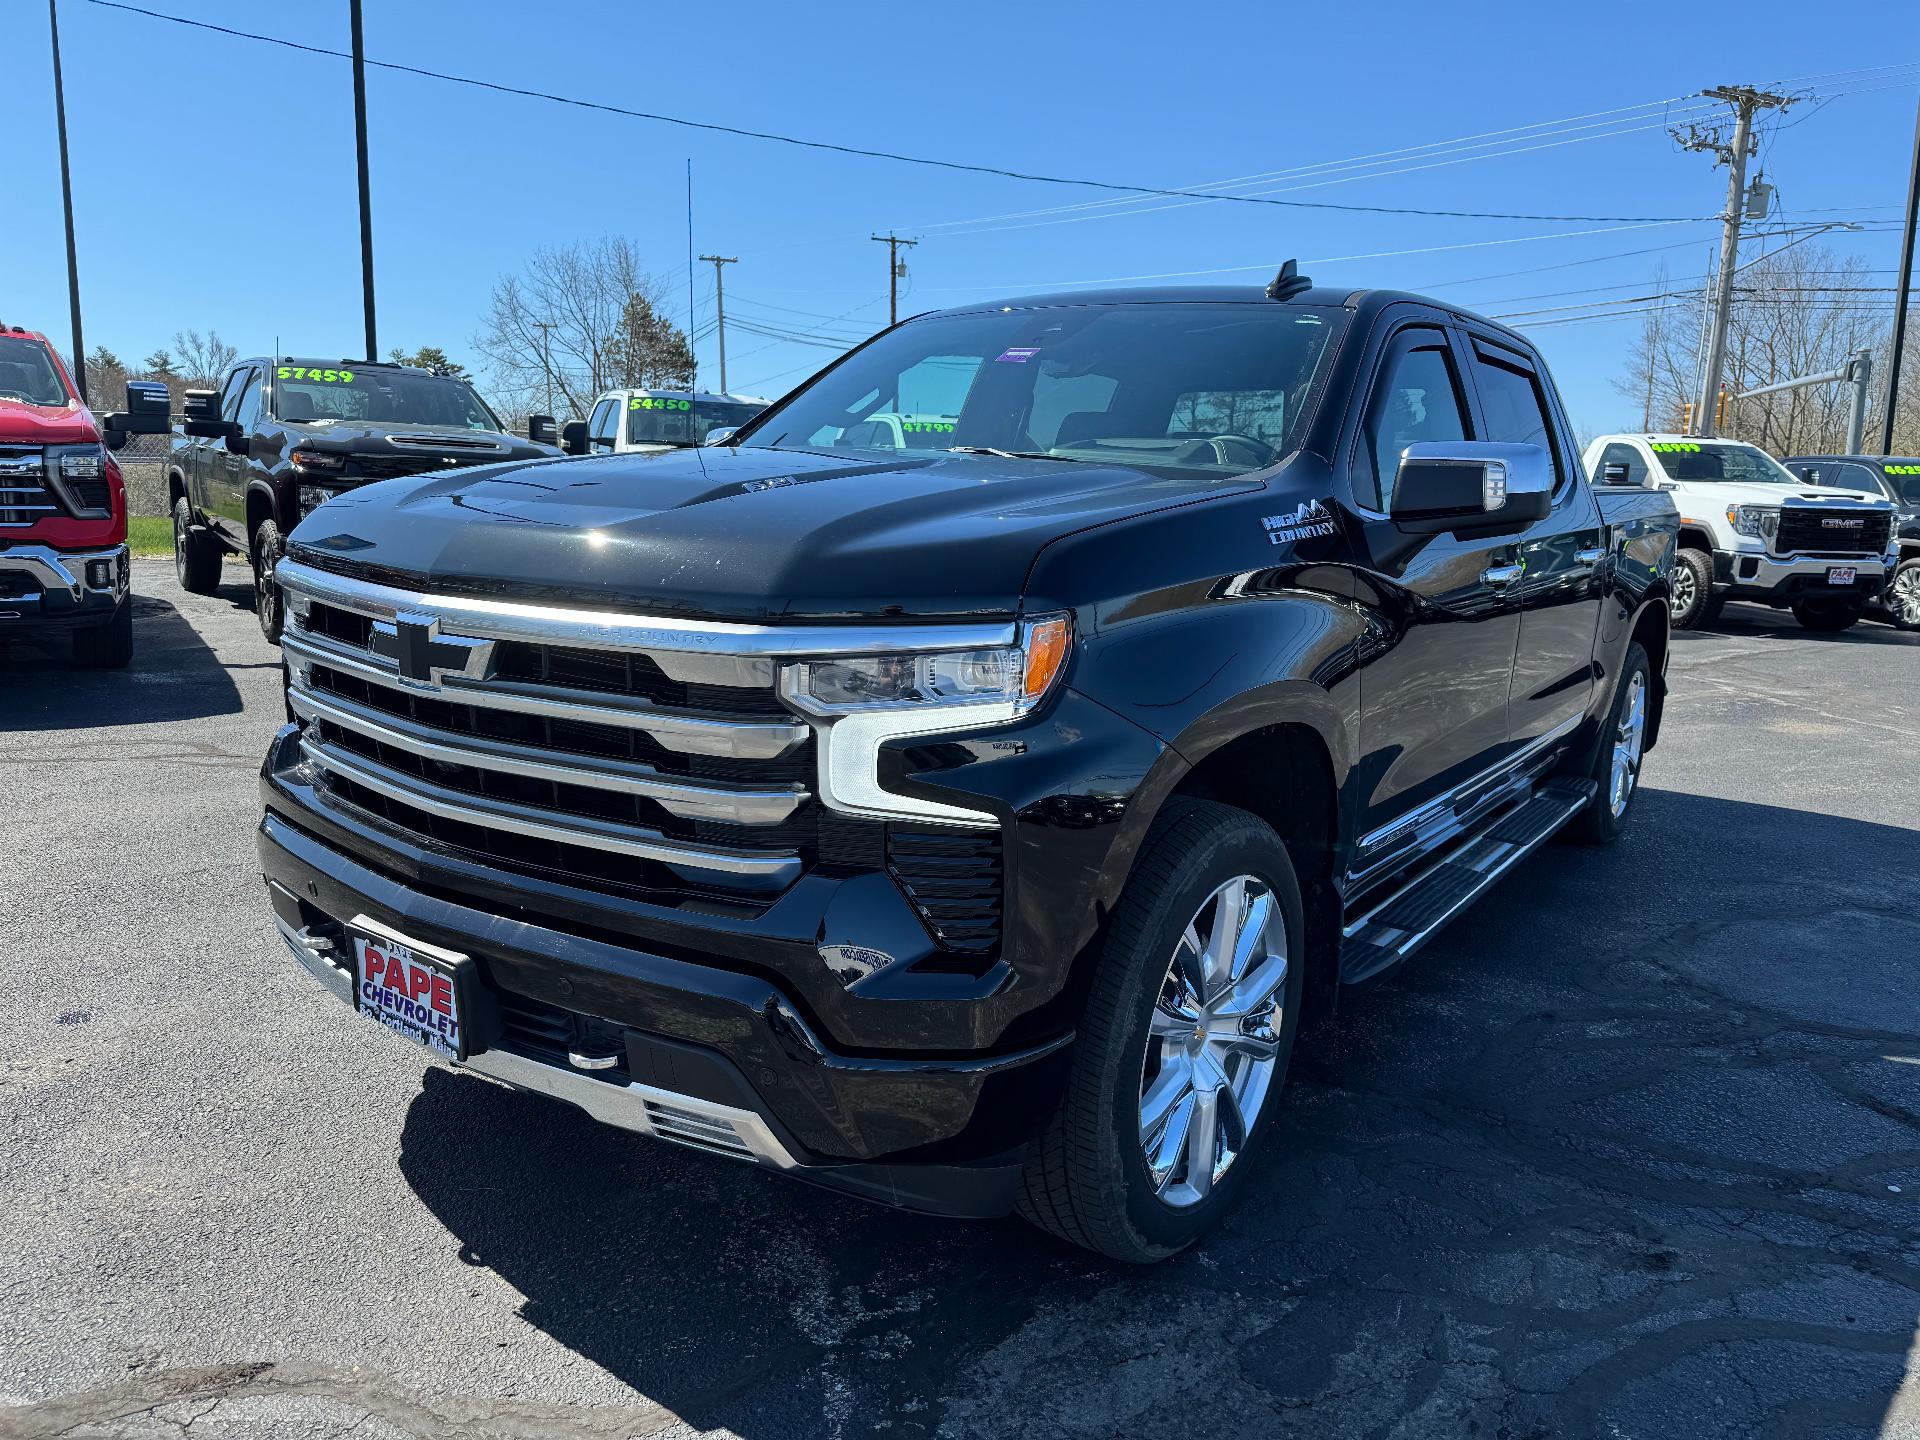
1416,398
1618,454
1514,409
247,411
230,392
600,426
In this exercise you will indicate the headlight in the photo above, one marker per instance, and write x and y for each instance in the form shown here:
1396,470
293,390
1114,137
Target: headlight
312,497
1018,675
859,703
77,462
1760,521
316,462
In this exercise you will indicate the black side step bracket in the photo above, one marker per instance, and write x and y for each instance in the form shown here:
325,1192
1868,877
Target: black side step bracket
1395,927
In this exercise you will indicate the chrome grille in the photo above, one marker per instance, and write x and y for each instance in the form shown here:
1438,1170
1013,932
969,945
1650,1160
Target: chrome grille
609,765
24,497
1832,530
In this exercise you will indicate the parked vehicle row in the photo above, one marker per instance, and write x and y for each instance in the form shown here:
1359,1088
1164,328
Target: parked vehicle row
1752,529
954,788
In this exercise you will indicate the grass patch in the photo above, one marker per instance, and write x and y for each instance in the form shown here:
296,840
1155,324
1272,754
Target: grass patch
150,535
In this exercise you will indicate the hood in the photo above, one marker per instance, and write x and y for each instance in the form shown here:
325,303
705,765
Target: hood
25,424
1734,492
358,437
738,534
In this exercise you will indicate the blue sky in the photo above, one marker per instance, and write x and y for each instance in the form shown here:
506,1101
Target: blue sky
263,240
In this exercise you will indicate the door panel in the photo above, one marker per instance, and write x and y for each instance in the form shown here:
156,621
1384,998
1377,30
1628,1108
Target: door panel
1434,686
226,483
1561,590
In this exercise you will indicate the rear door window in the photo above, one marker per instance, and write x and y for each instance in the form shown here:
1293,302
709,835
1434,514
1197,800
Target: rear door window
1512,404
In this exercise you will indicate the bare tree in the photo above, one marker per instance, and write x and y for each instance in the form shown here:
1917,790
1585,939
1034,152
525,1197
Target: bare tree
584,317
202,362
1803,311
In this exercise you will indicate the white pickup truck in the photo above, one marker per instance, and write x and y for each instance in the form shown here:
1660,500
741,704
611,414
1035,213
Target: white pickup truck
1750,529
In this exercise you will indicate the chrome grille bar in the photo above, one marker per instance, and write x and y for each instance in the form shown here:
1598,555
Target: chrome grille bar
687,734
767,868
711,801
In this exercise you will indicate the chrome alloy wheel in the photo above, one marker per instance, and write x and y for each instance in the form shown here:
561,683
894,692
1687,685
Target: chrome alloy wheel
1684,589
1629,743
1903,596
1213,1044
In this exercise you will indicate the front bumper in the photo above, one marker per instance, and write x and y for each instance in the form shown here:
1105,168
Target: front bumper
719,1059
44,587
1756,575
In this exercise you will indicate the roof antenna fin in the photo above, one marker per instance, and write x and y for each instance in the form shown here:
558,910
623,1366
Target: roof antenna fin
1288,283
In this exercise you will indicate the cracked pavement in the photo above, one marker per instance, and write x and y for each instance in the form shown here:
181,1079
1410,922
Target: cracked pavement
1632,1149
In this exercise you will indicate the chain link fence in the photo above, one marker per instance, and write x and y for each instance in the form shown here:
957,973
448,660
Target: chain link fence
143,465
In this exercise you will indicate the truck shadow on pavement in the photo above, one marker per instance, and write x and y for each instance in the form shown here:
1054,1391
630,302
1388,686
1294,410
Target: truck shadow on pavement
1617,1154
175,675
1749,622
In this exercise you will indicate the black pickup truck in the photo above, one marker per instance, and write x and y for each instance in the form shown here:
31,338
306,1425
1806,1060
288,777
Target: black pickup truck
282,435
968,824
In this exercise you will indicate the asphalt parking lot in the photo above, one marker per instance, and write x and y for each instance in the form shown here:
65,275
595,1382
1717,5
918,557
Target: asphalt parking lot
1633,1149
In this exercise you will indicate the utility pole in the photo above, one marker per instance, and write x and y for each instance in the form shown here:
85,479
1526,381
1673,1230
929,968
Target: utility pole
1746,102
896,269
720,308
1899,303
66,197
546,361
360,145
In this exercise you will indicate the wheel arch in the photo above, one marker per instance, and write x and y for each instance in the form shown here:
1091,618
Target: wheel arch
1653,632
260,509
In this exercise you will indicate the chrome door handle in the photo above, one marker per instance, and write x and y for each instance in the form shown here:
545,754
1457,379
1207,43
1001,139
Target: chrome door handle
1593,555
1502,574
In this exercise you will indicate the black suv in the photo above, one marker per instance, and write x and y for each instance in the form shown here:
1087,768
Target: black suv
962,812
282,436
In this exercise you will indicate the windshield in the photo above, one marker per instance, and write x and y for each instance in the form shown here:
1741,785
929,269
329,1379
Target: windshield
27,373
679,420
1218,388
1903,479
308,393
1707,460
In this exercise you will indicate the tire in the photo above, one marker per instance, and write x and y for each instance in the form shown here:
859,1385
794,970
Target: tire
108,646
1616,766
1903,596
1691,583
269,606
1089,1180
1828,617
196,554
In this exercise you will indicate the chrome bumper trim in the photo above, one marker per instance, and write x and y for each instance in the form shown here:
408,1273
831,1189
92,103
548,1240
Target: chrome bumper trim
745,806
685,734
644,1109
51,567
770,869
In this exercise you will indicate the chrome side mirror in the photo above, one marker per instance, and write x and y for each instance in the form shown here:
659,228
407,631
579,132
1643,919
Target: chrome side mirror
1483,485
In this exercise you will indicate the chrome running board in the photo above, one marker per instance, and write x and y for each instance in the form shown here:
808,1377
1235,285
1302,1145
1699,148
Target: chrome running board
1393,928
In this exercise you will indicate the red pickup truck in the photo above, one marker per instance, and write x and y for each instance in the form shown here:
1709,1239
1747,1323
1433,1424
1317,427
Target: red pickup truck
63,509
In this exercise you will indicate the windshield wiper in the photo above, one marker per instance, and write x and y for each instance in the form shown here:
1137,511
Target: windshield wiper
1005,454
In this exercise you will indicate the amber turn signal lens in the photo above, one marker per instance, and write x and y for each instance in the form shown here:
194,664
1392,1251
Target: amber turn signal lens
1046,654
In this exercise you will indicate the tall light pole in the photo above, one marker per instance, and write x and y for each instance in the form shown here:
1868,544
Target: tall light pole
896,268
1746,101
720,308
66,200
1900,295
360,148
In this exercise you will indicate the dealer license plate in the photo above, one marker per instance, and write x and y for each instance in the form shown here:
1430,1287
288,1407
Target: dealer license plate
1842,574
410,987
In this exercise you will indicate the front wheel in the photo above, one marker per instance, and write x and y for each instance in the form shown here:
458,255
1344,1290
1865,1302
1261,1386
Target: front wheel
1827,617
1691,586
1903,596
1183,1047
268,606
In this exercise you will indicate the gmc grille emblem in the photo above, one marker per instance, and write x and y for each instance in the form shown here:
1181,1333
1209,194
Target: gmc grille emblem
424,657
1839,522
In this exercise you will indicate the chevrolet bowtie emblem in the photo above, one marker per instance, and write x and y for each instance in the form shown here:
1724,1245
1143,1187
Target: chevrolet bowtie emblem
424,657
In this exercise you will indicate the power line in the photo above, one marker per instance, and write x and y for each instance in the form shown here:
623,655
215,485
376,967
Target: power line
1003,172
